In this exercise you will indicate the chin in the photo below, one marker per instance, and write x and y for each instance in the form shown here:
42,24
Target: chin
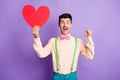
65,33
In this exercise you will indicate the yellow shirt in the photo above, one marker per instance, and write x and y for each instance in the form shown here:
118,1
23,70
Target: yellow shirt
65,52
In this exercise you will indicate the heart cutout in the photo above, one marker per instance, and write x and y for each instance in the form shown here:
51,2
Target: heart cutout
36,17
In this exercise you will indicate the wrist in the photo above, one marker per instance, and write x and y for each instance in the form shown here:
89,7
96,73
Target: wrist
89,37
36,36
89,40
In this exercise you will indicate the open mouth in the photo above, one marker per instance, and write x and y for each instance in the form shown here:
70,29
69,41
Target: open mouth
65,28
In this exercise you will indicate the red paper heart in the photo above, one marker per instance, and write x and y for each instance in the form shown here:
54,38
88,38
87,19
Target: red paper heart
36,17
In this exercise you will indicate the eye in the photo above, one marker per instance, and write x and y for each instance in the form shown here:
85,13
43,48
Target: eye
68,21
61,22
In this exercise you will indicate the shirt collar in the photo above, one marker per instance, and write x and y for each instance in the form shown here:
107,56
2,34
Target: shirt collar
65,35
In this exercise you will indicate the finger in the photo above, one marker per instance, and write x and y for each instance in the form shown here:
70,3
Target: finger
90,33
86,33
36,27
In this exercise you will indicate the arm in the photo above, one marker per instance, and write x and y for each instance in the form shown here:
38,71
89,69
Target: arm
37,45
88,49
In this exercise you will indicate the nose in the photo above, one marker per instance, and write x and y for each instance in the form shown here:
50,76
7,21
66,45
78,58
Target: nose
65,24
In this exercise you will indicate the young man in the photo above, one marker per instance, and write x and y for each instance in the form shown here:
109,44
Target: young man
65,49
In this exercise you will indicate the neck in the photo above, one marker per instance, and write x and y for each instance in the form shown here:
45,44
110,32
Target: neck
65,34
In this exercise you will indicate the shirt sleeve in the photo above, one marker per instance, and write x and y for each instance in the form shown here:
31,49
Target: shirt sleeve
40,50
88,49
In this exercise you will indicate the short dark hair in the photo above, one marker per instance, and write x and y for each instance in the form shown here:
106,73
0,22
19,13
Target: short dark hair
65,15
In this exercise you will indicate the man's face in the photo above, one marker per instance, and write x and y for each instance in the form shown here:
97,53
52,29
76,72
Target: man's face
65,25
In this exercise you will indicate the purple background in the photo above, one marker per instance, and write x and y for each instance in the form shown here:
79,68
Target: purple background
18,61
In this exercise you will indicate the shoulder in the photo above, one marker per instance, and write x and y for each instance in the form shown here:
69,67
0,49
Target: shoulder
52,39
79,40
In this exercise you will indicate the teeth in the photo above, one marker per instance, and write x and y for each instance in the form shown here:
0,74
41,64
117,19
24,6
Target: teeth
65,28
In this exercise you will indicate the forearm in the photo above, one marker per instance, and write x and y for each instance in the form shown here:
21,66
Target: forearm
39,49
37,45
90,48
